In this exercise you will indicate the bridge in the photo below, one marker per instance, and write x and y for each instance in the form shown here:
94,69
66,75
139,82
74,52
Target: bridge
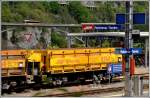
40,25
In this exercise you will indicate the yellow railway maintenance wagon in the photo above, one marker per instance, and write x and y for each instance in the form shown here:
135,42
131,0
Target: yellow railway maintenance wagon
58,66
66,65
81,60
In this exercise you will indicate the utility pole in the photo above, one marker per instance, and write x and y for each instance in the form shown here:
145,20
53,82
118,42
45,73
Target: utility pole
128,45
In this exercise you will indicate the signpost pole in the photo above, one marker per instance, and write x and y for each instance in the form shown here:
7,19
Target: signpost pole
109,71
109,77
128,36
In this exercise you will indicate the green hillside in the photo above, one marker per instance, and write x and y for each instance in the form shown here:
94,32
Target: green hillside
74,13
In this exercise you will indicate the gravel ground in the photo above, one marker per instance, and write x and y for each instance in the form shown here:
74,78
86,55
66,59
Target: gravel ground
115,94
141,70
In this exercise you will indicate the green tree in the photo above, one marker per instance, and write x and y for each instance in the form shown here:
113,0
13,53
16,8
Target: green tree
105,12
80,12
6,13
53,6
58,40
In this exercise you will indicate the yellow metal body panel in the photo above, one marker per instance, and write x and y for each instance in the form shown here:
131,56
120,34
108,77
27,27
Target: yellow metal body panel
68,60
12,63
12,67
13,52
77,60
103,58
36,57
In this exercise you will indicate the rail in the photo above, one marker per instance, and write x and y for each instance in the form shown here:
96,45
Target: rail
90,92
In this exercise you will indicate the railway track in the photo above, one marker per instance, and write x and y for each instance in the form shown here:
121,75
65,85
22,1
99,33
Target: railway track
38,86
90,92
96,91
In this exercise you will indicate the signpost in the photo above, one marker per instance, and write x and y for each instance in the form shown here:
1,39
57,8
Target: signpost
120,19
109,71
87,27
28,37
138,18
90,27
108,27
136,50
130,51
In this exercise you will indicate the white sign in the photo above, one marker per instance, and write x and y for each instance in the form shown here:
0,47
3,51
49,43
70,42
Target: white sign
109,68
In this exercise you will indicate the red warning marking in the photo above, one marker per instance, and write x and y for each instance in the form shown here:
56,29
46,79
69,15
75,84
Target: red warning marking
28,36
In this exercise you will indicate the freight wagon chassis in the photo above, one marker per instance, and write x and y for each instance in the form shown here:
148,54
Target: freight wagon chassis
13,83
78,77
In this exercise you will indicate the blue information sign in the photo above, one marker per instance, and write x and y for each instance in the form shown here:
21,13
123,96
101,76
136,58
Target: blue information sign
120,19
130,51
138,18
136,50
108,27
114,68
124,51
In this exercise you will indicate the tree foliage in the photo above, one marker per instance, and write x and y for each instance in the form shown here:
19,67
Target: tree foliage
74,13
80,12
58,40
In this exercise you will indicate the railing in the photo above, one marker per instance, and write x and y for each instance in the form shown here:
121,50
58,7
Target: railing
138,83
